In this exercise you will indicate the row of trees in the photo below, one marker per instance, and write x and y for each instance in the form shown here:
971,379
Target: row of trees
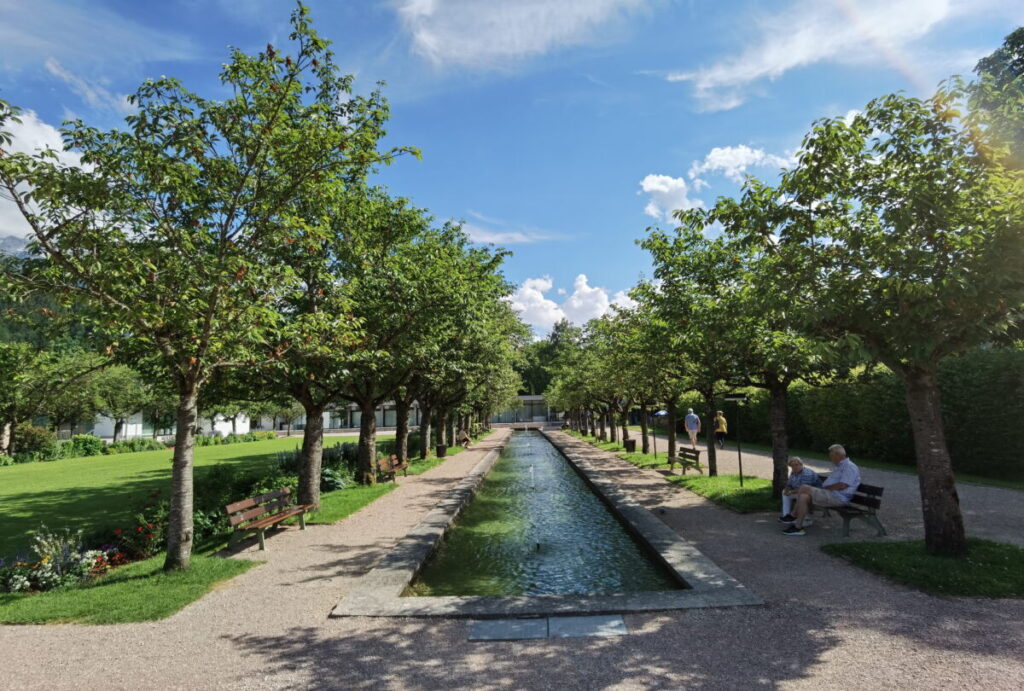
234,248
898,238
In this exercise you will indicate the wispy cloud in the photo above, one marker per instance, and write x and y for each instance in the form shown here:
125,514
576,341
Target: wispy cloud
497,33
82,33
93,93
805,32
502,232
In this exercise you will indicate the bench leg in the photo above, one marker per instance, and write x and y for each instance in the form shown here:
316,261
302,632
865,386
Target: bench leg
873,520
302,521
846,525
263,543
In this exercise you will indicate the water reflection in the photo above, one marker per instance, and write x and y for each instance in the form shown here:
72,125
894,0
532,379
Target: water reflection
536,528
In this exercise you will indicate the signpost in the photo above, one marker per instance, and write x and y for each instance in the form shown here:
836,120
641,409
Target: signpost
740,399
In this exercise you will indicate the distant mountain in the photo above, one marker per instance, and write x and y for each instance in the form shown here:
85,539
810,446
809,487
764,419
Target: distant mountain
12,244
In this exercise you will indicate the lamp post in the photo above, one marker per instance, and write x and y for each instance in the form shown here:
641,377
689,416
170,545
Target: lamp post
658,414
739,398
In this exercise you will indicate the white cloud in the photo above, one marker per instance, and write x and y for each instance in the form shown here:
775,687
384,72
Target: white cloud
810,31
666,194
77,33
733,161
534,308
623,300
93,93
586,302
492,34
29,136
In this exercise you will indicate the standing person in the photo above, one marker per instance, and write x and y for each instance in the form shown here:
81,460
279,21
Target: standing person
721,427
692,424
837,490
799,475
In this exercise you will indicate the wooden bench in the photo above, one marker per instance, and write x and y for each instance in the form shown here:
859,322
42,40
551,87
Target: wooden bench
687,458
864,505
262,512
390,466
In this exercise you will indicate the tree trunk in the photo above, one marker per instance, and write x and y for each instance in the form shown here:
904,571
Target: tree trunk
778,395
602,435
625,425
449,430
442,433
645,442
943,522
671,431
180,517
6,439
402,430
312,455
118,426
367,444
425,430
613,429
234,424
709,401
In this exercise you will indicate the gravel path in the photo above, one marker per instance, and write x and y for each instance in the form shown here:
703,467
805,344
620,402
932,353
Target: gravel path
994,513
826,624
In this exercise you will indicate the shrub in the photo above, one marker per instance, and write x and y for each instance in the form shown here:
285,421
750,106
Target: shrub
86,445
5,460
29,438
148,534
332,479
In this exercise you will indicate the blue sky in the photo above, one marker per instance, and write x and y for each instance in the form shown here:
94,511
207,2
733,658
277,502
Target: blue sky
560,130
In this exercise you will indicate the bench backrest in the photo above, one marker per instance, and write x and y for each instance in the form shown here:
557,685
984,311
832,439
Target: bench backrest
254,507
868,495
691,454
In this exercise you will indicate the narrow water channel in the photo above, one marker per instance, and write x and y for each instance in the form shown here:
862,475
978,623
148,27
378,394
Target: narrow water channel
534,528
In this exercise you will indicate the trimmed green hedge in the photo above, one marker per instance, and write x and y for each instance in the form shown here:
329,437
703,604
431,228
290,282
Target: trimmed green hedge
982,403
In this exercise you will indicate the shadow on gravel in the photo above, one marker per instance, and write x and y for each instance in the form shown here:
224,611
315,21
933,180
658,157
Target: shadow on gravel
714,648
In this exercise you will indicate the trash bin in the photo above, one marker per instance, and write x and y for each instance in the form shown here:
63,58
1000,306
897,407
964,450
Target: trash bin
630,445
442,450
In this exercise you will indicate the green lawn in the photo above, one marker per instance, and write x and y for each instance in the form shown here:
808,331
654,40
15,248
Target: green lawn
755,495
103,492
991,569
137,592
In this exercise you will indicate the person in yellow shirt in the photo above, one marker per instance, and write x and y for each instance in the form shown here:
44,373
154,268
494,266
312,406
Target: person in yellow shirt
721,427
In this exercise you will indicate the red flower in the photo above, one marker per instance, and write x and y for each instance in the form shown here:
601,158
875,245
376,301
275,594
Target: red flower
138,529
149,536
149,525
118,532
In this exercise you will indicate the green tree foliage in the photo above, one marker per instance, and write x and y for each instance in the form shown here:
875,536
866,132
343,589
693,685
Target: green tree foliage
907,240
173,228
121,393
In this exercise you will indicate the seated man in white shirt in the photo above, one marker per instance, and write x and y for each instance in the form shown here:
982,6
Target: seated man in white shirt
837,490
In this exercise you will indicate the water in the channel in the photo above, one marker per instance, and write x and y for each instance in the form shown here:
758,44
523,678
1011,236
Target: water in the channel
535,528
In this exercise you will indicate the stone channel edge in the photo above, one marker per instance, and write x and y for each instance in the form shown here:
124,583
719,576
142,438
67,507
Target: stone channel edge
379,592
